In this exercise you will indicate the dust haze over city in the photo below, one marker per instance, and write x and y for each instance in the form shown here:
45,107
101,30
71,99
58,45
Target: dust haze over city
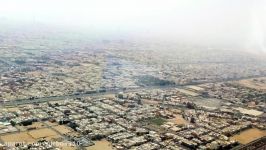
132,75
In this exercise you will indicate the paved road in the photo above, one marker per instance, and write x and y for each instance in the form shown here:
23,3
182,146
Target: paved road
64,97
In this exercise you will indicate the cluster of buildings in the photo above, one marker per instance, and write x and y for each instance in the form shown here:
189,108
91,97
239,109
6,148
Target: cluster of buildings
189,65
126,121
237,95
120,73
49,64
56,74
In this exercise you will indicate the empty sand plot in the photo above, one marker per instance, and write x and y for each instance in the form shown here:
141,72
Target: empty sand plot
258,83
48,123
17,137
54,138
188,92
13,109
67,148
150,102
62,129
249,135
36,125
42,133
101,145
179,120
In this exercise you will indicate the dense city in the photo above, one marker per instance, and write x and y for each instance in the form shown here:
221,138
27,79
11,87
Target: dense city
107,87
146,119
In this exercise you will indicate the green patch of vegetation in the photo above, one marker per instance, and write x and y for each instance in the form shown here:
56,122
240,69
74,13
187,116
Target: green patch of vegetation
153,81
157,121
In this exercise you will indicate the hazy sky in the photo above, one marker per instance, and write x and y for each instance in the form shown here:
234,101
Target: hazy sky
232,21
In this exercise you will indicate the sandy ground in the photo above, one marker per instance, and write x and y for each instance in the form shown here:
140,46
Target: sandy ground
68,148
21,128
51,123
53,138
150,102
13,109
195,88
62,129
42,133
109,96
250,83
249,135
101,145
74,134
35,135
18,137
37,125
188,92
179,120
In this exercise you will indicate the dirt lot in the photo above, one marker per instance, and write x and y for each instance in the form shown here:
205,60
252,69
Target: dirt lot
34,136
53,138
13,109
62,129
101,145
42,133
179,120
68,148
258,83
51,123
18,137
109,96
36,125
188,92
150,102
249,135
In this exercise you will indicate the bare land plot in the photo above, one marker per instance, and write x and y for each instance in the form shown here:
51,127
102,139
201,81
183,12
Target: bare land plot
188,92
42,133
256,83
101,145
18,137
249,135
62,129
179,120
